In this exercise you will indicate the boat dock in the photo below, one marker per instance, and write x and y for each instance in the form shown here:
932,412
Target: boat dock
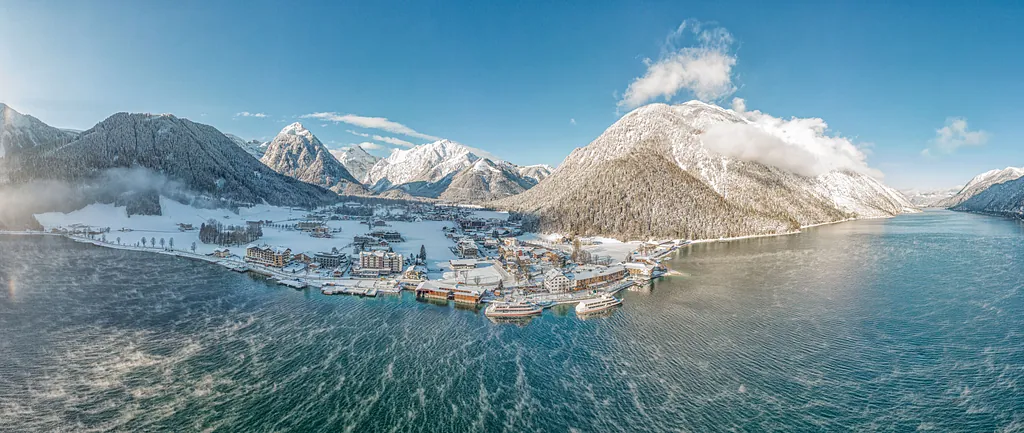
295,284
361,288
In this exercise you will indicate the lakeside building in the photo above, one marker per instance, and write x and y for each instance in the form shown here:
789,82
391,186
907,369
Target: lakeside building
640,270
467,294
302,258
322,232
467,248
596,277
308,226
382,261
434,290
462,264
556,282
331,259
276,257
414,273
387,235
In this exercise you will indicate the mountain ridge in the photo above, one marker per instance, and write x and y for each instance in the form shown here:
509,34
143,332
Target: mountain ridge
777,200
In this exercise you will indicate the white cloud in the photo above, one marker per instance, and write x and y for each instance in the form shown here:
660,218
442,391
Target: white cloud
380,123
799,145
955,134
388,140
248,114
704,69
572,121
739,105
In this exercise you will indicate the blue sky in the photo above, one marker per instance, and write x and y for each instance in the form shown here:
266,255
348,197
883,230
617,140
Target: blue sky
529,81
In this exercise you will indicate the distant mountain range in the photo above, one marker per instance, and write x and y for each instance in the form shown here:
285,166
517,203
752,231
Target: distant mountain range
650,175
357,160
255,148
929,198
451,171
297,153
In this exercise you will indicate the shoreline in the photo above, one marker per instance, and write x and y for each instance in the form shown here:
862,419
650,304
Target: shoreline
335,285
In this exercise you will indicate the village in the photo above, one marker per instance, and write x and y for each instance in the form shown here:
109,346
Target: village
466,256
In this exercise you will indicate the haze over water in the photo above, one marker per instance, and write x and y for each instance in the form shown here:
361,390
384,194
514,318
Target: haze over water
913,322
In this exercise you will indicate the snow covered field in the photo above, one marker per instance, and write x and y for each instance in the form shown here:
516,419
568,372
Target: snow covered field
426,233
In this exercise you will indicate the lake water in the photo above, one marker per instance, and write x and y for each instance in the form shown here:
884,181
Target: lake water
910,323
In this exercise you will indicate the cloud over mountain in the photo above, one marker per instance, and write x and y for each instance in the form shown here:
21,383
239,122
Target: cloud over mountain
380,123
799,145
705,69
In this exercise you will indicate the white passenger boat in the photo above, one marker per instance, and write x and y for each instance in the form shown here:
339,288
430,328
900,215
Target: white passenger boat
594,305
512,309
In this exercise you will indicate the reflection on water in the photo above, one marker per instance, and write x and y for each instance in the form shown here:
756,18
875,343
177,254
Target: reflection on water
519,321
900,324
603,314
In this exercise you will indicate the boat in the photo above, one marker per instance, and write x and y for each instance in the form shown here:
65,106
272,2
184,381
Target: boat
600,303
512,309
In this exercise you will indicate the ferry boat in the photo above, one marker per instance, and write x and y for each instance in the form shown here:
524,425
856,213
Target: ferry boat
594,305
512,309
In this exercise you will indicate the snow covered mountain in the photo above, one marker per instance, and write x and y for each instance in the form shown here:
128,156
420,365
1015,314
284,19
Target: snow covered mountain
21,135
981,183
253,147
929,198
486,180
356,160
1005,198
450,171
297,153
424,163
536,172
199,157
651,175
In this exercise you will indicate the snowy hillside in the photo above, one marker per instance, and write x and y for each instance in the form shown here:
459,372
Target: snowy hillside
424,163
1006,198
536,172
297,153
199,157
486,180
22,135
429,170
252,147
356,160
980,183
651,174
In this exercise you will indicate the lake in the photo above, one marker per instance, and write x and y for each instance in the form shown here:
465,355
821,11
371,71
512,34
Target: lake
909,323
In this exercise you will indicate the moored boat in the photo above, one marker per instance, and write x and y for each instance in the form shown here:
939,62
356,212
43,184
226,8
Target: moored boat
594,305
512,309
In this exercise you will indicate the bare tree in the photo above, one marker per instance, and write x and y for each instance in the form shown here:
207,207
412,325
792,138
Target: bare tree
193,247
143,241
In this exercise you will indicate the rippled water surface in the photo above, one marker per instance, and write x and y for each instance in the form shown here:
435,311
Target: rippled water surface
911,323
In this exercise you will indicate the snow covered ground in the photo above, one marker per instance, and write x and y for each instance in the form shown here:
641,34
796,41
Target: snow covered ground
599,246
426,233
